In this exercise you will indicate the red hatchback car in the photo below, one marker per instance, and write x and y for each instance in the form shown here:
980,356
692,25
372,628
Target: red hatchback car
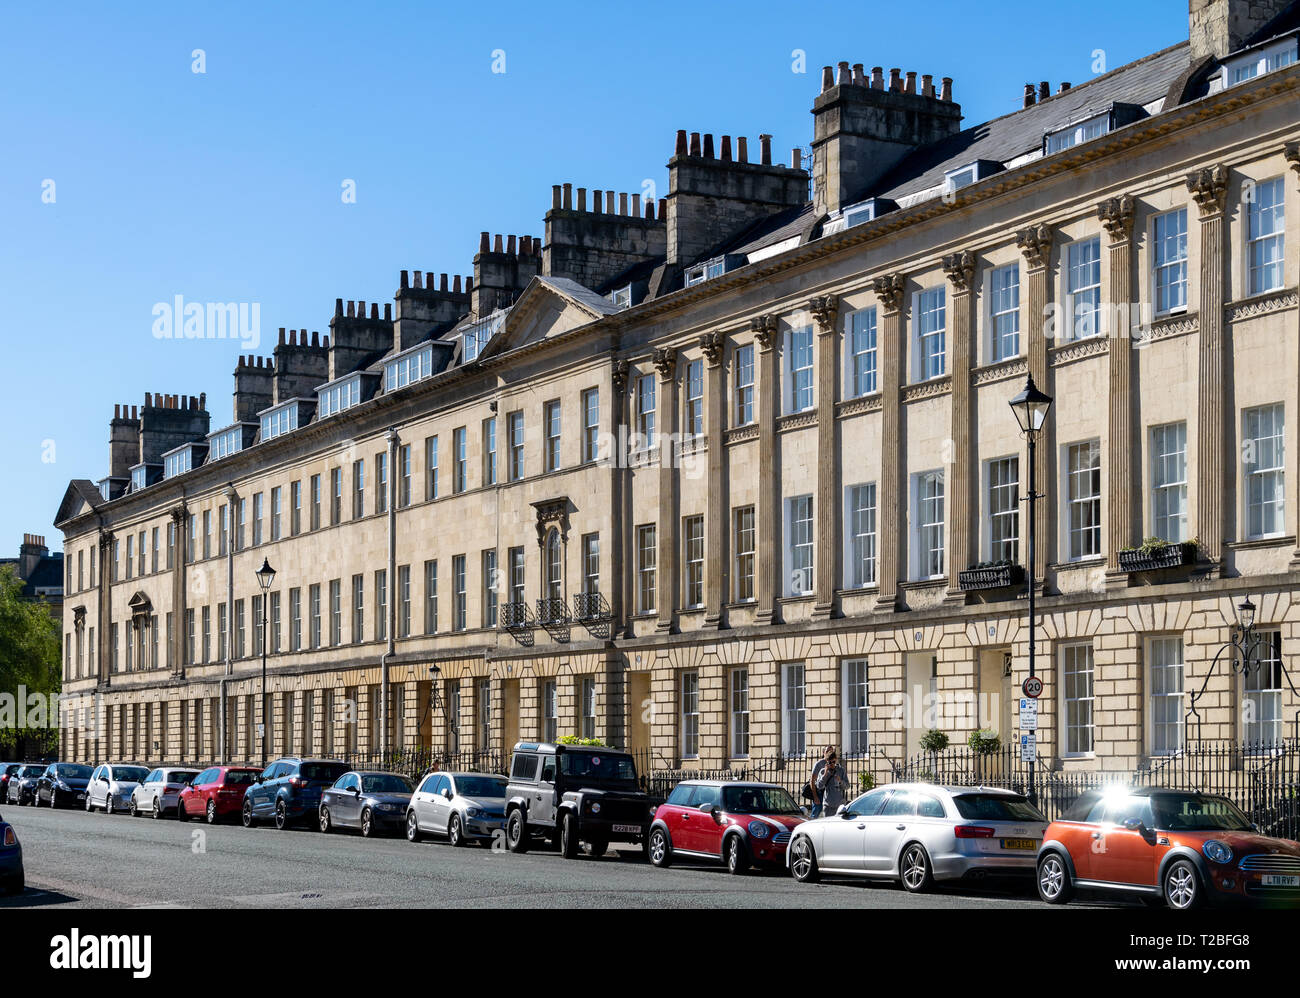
1167,847
740,824
216,793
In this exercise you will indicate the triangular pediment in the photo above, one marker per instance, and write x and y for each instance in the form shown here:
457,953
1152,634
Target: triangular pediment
547,307
79,498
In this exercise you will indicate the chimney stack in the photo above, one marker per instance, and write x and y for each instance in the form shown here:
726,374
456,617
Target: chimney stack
1217,27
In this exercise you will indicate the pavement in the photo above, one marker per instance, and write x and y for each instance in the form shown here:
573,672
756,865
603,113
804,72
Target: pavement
78,860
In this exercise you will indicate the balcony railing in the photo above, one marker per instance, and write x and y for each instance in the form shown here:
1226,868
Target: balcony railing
517,620
593,612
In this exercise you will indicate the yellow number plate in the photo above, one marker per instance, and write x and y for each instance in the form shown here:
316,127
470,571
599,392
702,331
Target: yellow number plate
1020,844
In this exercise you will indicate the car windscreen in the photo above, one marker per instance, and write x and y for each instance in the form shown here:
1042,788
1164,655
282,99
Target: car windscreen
324,772
1197,812
996,807
480,786
384,783
124,774
70,771
597,766
239,778
758,800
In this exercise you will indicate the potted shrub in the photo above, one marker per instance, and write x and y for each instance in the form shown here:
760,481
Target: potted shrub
933,741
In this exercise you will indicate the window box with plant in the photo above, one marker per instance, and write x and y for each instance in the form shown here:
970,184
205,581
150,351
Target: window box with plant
991,575
1154,553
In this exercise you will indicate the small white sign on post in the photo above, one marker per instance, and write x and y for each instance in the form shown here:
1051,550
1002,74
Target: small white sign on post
1028,747
1028,714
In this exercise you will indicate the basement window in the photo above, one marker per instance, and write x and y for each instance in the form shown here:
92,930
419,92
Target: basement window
1256,63
408,369
706,271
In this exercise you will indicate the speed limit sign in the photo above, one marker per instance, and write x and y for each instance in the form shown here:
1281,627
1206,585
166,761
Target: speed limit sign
1032,687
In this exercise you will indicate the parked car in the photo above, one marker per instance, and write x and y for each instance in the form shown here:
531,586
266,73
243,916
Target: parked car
21,788
111,786
12,878
918,833
465,807
741,824
372,802
289,790
216,793
575,794
7,769
62,783
1173,847
158,792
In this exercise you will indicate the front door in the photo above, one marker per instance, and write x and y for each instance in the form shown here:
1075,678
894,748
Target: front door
699,831
1126,855
542,806
845,833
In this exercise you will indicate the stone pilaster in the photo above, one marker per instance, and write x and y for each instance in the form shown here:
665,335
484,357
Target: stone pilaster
1035,243
827,507
1123,480
1292,152
717,557
179,564
104,597
1215,480
960,484
767,583
892,496
669,584
622,575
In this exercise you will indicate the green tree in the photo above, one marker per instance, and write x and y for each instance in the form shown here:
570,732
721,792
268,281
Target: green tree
29,650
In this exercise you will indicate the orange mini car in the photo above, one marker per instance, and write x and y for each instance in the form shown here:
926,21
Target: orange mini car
1175,847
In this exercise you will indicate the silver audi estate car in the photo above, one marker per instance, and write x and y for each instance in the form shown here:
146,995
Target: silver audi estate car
464,807
918,833
158,794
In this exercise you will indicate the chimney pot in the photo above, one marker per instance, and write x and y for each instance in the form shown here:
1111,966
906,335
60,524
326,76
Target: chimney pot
765,149
622,204
404,281
859,75
845,75
708,145
895,81
726,148
1044,91
483,245
455,284
663,209
742,149
828,78
442,282
496,243
582,199
419,279
695,143
680,149
927,85
945,92
555,196
796,158
510,245
1029,95
1064,87
877,78
910,86
568,197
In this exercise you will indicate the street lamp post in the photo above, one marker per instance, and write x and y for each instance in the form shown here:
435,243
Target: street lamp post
1031,407
265,576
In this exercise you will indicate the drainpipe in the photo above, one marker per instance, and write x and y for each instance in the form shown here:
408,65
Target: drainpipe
390,611
232,499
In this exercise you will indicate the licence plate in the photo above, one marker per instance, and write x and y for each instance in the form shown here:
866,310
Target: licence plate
626,829
1277,880
1020,844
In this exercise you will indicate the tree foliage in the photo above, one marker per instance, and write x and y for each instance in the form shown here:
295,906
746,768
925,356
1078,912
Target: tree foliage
29,639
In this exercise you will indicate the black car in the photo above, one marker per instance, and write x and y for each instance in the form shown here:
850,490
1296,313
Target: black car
21,788
63,784
372,802
575,794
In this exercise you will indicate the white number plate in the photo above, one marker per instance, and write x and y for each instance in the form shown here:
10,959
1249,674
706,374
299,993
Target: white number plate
626,829
1277,880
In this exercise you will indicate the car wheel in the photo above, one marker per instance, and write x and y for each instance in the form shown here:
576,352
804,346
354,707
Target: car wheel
661,848
737,855
211,812
455,831
1182,886
1054,883
246,815
803,861
569,836
89,806
516,832
181,813
326,825
914,869
412,826
281,816
156,811
131,809
597,849
367,824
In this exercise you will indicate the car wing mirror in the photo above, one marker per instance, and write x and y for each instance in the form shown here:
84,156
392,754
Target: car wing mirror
843,811
1133,824
446,793
706,808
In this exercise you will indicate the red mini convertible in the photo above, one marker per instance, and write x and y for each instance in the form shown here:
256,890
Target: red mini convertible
740,824
216,793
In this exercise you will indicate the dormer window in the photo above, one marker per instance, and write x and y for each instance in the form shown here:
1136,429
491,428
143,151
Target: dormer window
1082,131
857,214
955,180
280,420
183,459
139,477
226,442
333,399
706,271
477,336
408,369
622,298
1261,61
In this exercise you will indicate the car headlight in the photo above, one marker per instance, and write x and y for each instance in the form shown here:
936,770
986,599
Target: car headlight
595,807
758,829
472,812
62,786
1217,851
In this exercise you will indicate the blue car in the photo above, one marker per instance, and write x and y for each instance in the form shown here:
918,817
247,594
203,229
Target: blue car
12,880
289,790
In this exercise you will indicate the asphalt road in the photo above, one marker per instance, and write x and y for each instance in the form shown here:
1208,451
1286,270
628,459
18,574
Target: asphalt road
79,860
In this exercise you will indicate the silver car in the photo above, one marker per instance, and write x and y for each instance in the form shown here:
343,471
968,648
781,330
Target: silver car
111,786
159,792
919,833
465,807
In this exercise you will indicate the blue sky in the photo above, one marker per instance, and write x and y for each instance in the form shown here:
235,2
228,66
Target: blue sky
226,185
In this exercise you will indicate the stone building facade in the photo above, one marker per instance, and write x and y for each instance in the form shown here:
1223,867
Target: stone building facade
733,475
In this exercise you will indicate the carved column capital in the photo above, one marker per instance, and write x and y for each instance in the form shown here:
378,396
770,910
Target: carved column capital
959,268
1035,243
1116,216
665,361
712,344
825,309
764,329
621,371
889,290
1209,189
1292,153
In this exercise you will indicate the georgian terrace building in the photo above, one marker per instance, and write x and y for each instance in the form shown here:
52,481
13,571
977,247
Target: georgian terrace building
715,478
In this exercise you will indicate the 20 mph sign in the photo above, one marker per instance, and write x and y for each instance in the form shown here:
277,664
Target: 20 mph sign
1032,687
